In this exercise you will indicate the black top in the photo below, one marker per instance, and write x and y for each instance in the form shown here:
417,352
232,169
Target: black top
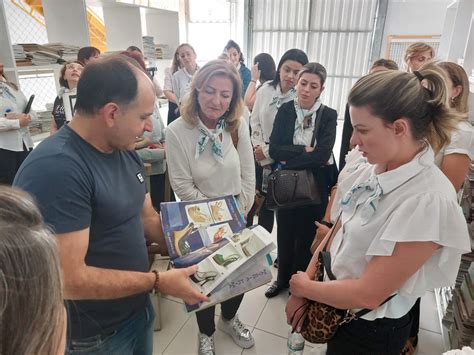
295,156
346,138
77,187
59,114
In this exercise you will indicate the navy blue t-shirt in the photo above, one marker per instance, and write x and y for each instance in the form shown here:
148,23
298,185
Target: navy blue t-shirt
76,187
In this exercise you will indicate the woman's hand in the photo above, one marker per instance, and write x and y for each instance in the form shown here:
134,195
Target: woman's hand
299,283
258,151
255,72
24,118
294,312
319,236
308,149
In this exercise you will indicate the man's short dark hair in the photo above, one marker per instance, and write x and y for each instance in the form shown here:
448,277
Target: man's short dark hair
387,63
133,49
107,80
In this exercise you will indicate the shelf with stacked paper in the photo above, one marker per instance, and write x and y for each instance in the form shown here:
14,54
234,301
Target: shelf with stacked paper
456,305
211,233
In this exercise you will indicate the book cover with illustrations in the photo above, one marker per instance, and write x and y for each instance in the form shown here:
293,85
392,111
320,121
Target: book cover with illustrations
195,229
241,250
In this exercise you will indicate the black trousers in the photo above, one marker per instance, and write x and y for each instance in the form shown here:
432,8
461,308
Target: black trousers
383,336
415,315
10,162
205,318
295,233
266,217
171,112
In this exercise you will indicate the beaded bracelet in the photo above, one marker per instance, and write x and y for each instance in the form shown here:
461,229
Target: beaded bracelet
156,285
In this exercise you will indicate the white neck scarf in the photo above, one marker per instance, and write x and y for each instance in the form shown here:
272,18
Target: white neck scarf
366,195
279,98
215,137
298,136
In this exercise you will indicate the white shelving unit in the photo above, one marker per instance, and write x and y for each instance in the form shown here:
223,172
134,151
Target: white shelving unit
442,304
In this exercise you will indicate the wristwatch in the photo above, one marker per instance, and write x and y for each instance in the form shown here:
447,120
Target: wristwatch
326,223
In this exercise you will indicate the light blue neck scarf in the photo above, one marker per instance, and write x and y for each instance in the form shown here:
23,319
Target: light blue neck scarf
216,137
279,98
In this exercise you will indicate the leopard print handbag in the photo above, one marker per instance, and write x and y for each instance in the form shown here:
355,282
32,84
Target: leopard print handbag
321,320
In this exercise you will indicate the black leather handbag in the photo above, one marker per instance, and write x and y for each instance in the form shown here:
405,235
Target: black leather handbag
294,188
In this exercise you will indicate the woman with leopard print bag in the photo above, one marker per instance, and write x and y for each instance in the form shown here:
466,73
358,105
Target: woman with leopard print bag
402,232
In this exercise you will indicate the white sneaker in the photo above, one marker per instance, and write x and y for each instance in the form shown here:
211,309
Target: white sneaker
241,335
206,344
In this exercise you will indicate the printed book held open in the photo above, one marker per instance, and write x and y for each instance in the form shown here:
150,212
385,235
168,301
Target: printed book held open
211,233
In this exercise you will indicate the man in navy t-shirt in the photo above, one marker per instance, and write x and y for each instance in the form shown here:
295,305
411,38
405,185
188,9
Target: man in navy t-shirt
89,184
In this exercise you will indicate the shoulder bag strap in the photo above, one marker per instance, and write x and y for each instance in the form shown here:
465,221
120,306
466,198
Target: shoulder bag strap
325,261
317,123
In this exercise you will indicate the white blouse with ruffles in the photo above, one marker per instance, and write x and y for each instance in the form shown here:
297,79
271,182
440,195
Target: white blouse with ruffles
412,203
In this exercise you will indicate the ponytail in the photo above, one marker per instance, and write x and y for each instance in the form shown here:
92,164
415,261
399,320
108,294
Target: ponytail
421,97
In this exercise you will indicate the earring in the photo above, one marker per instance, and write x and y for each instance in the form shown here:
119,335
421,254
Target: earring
452,99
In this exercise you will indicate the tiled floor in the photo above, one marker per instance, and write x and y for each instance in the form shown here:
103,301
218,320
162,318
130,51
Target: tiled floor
266,318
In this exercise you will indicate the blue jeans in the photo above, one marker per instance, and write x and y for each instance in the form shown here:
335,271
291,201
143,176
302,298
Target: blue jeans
135,336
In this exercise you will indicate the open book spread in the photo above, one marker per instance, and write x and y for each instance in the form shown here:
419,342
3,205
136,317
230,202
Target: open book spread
211,233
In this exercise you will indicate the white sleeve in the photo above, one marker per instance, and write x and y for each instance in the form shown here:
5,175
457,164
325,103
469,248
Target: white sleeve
9,125
462,142
255,123
247,167
179,168
168,86
175,84
158,89
445,227
257,130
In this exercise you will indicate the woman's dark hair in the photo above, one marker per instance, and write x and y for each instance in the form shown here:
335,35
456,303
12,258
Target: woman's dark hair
314,68
292,54
233,44
266,65
458,76
85,53
62,81
175,64
112,79
421,98
138,57
133,49
386,63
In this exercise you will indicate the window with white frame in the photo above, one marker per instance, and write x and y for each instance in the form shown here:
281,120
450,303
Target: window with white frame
211,24
336,33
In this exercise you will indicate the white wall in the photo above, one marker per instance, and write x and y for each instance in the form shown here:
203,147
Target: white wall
66,21
164,27
414,17
123,27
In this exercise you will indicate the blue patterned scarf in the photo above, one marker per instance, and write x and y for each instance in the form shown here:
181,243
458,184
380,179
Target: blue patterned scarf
279,98
216,137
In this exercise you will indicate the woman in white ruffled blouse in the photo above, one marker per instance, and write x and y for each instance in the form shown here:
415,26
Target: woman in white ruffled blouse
402,230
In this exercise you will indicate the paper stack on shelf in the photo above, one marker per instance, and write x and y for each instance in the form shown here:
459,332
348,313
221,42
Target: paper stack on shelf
41,54
66,51
164,51
149,48
18,51
49,53
21,58
460,313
